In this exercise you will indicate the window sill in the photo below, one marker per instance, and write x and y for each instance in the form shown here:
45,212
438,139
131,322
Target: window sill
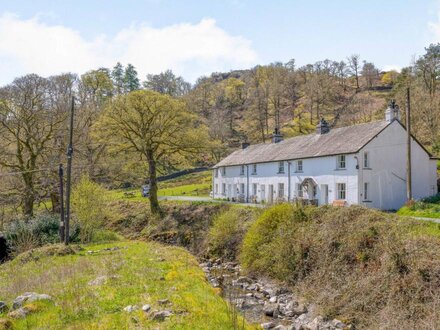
367,201
299,172
367,168
341,169
281,172
253,173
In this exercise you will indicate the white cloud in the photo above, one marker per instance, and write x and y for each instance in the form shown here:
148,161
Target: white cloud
188,49
392,67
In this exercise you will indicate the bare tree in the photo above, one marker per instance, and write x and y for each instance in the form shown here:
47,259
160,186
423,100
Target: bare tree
355,66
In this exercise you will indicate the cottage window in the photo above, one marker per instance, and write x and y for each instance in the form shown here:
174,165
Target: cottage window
242,188
299,165
216,188
223,170
242,170
341,190
366,190
223,188
254,169
254,189
366,159
341,162
216,172
281,167
299,190
281,190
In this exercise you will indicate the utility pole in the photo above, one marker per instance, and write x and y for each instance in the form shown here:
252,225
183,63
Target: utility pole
408,147
69,174
61,174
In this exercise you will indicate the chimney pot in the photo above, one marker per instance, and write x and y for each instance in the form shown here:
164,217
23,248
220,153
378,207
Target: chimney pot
322,127
393,112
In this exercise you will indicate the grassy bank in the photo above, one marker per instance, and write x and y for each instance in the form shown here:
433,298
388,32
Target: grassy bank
138,273
428,207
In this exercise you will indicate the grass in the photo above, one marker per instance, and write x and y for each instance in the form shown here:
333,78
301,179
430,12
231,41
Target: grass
143,274
194,184
428,210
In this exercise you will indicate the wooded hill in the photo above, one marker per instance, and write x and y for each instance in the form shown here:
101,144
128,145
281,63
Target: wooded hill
120,139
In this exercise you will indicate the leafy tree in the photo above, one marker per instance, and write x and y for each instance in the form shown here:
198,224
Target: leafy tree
154,126
98,84
131,80
118,78
389,78
89,205
167,83
28,125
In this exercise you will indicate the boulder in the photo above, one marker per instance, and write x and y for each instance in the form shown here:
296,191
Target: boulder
29,297
338,324
268,325
19,313
270,309
3,307
273,299
131,308
161,315
146,308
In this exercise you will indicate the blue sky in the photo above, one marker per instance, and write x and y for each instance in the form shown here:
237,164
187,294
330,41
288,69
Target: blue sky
199,37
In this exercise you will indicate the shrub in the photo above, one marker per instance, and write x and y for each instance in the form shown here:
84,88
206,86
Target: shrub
89,206
261,243
25,234
227,231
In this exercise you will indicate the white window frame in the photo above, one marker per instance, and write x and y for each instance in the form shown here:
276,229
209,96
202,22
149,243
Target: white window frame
366,190
242,188
299,165
242,169
341,190
223,170
341,163
216,173
254,189
281,167
280,190
366,159
216,188
223,188
299,190
254,169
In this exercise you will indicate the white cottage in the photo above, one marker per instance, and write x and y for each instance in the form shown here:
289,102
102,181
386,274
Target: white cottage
361,164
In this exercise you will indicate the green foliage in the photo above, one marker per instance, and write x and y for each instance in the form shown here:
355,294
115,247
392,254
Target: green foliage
89,207
228,229
26,234
262,241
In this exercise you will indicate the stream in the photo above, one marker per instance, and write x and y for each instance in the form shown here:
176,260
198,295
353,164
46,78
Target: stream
264,302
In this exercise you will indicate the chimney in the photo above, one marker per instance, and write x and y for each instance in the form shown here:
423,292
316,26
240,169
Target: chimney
244,145
276,136
393,112
322,127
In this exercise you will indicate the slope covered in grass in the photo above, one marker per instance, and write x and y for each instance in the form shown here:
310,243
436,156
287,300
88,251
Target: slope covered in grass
134,273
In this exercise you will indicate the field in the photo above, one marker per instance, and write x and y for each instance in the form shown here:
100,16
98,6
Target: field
136,273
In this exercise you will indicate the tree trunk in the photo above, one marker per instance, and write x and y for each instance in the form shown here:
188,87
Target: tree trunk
154,202
28,204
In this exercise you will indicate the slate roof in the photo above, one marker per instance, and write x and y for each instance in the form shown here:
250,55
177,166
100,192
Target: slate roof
344,140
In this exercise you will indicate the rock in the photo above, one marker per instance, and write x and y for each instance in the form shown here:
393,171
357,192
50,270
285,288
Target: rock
270,309
163,302
244,280
273,299
130,308
3,307
282,327
268,325
315,324
19,313
161,315
146,308
338,324
29,297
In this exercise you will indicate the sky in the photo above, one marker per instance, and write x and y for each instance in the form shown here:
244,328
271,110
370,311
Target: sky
195,37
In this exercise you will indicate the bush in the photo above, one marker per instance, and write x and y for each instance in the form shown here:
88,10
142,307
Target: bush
26,234
89,206
262,241
227,231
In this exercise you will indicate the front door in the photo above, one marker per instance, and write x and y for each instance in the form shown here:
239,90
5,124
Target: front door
324,194
270,196
262,192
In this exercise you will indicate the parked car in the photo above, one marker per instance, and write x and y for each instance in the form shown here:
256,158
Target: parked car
145,191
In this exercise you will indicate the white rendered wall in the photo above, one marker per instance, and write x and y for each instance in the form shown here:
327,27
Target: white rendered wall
387,176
